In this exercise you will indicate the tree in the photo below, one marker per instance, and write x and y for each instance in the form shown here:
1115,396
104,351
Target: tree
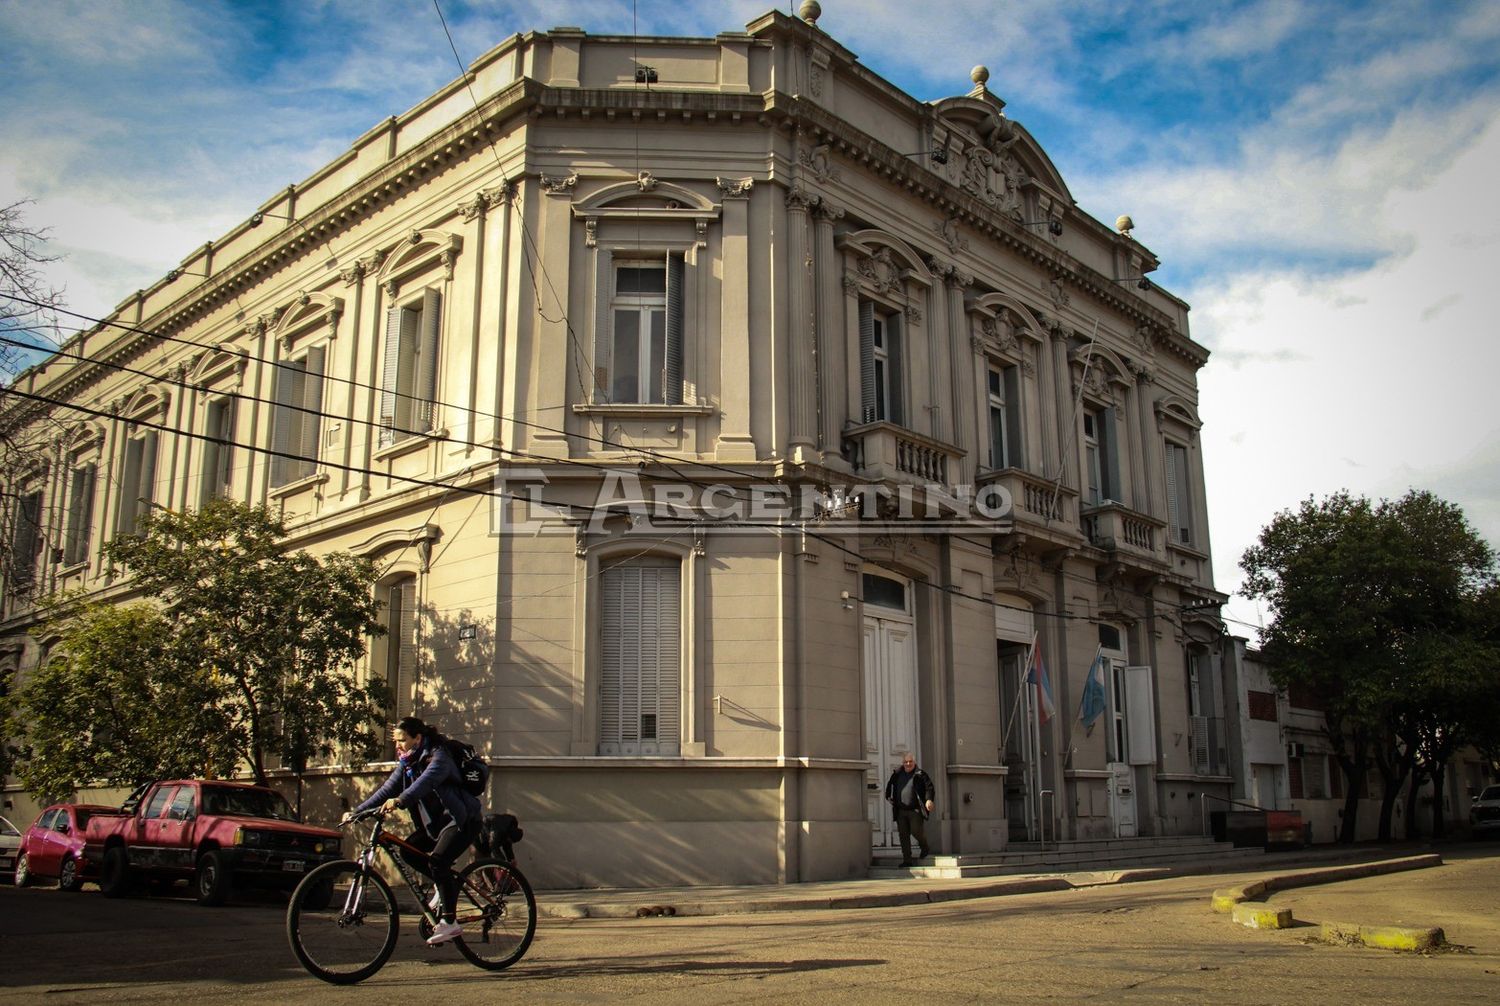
1375,612
277,633
109,705
28,301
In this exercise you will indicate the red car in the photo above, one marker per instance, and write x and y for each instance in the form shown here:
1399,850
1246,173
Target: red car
53,846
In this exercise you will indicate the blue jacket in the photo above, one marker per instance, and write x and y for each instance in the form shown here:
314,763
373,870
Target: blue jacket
428,777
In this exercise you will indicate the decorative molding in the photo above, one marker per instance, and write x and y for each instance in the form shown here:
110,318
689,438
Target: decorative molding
826,210
591,232
881,271
354,274
471,209
1057,292
819,160
559,185
851,283
643,181
913,314
799,199
735,188
948,230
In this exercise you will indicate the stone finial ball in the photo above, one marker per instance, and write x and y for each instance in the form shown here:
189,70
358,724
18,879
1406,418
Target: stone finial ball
1124,224
980,75
810,11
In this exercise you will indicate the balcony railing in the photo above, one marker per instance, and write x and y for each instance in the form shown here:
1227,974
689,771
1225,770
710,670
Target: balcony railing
887,452
1116,528
1035,501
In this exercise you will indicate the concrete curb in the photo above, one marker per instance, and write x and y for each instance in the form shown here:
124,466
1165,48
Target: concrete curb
1240,904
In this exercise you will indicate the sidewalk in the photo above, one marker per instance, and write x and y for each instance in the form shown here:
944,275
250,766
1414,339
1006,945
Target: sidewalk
620,903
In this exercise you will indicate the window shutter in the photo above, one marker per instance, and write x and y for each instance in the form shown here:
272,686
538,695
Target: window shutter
80,514
390,375
148,472
1140,710
1014,454
611,657
866,361
130,484
425,389
603,329
288,375
1173,520
312,402
1294,777
640,665
1110,446
224,456
406,652
895,341
23,544
672,379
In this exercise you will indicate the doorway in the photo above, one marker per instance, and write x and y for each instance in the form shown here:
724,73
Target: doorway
890,665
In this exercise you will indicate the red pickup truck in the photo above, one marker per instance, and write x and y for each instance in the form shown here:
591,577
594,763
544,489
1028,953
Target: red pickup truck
214,834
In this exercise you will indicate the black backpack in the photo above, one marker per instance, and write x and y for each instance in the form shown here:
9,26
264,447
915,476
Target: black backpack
473,771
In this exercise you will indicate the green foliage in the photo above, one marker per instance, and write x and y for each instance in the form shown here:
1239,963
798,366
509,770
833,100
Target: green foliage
111,705
1387,612
246,655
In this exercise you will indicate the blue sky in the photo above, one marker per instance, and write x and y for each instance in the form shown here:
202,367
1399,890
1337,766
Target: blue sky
1317,178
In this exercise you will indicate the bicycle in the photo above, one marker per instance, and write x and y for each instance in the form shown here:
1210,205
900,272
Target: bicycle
343,918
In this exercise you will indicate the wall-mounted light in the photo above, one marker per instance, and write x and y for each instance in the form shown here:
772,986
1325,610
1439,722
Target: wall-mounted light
1141,282
175,274
939,155
645,75
846,600
259,217
1054,225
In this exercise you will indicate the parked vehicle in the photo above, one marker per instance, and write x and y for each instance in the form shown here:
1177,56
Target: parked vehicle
10,845
52,848
1484,812
217,835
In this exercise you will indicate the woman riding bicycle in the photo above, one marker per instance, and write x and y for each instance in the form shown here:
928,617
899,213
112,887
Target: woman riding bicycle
426,783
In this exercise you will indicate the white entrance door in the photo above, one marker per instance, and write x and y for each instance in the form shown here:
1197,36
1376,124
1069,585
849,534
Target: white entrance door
890,664
1264,794
1122,776
1122,799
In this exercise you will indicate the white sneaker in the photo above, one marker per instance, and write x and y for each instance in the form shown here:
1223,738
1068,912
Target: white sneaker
443,932
436,901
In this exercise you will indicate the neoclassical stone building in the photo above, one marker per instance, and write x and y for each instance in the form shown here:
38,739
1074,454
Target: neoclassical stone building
726,421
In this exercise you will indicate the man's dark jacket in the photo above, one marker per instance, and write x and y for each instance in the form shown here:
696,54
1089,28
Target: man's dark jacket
922,789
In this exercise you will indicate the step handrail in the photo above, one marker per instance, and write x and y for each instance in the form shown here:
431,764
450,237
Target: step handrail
1227,801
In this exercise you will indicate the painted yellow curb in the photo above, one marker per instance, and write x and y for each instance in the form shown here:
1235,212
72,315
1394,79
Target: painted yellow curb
1258,916
1384,937
1225,898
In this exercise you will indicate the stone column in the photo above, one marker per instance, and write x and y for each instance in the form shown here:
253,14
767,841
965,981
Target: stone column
1152,501
801,352
833,364
1046,390
735,442
555,369
1067,424
959,419
1139,471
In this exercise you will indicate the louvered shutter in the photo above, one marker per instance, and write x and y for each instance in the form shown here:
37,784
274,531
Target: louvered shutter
24,542
1172,506
311,418
613,608
1140,711
147,494
1109,444
672,376
603,329
665,587
288,379
1015,454
224,457
425,389
390,375
867,407
640,662
405,593
896,383
80,515
130,484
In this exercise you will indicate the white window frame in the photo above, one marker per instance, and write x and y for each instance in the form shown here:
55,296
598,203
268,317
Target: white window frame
137,480
658,378
83,490
217,478
1179,493
296,417
882,363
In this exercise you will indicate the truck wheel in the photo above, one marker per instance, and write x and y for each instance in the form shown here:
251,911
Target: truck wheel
115,878
213,881
67,876
319,896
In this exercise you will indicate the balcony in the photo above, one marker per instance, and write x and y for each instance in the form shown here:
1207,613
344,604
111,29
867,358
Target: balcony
885,452
1129,535
1037,504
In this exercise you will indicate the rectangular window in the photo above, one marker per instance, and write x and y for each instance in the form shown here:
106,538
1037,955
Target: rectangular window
1005,427
646,330
26,536
137,481
297,420
640,664
218,452
1262,706
880,359
80,514
408,390
1294,777
400,642
1101,459
1179,500
1315,777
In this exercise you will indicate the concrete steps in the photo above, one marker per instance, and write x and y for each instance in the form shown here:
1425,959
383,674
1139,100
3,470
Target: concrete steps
1087,856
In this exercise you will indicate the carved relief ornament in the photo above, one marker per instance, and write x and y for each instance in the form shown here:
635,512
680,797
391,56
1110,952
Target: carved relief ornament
881,270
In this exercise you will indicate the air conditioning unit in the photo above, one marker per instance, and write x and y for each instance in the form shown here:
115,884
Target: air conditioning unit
1296,750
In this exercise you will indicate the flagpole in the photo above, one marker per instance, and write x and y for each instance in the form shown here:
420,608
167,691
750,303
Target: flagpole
1037,726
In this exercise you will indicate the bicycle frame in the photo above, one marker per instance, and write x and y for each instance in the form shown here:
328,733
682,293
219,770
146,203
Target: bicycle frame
382,840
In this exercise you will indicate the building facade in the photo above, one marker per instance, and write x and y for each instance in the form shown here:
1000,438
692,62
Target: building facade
725,422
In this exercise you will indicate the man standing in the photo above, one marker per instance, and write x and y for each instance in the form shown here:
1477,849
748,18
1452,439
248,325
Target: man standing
910,793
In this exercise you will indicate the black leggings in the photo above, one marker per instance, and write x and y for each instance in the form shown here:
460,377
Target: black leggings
441,853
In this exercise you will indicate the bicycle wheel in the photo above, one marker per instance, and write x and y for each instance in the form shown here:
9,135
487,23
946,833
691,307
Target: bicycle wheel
498,913
352,934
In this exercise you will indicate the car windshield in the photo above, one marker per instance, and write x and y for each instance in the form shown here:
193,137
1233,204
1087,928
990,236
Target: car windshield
237,802
1490,793
6,828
